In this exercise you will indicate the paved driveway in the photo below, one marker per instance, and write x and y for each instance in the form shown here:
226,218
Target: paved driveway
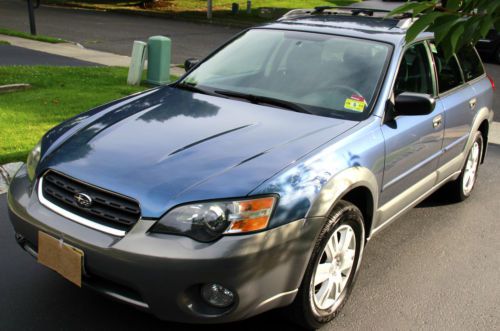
12,55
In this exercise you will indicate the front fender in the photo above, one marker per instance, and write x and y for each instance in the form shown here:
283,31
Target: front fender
340,185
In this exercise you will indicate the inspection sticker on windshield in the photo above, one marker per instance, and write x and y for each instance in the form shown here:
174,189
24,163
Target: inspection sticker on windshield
355,103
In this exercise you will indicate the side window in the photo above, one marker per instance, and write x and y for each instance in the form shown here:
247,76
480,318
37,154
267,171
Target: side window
448,72
415,71
470,62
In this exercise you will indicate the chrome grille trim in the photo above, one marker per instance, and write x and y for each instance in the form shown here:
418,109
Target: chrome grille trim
74,217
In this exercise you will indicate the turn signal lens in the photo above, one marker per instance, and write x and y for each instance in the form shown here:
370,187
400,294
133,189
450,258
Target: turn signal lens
251,215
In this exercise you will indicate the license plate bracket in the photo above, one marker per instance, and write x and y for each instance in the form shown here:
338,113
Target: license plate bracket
64,259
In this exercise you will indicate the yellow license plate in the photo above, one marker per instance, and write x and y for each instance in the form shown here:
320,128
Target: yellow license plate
60,257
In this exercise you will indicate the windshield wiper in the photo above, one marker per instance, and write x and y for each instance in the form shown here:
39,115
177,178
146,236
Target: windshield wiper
193,87
257,99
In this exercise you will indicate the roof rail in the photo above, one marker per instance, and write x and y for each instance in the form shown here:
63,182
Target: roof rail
336,10
354,10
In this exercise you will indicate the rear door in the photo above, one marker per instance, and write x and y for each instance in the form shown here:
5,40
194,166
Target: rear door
459,102
475,76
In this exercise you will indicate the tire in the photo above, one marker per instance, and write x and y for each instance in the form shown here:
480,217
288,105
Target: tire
311,309
462,188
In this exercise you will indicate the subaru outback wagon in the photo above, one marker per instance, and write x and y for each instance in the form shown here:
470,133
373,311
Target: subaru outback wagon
255,181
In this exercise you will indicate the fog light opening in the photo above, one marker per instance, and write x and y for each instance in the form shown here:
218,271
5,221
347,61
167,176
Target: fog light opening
217,295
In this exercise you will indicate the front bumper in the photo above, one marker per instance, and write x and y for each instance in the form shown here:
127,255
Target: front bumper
163,273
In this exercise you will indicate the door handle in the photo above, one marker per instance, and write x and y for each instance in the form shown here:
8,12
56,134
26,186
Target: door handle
437,121
472,103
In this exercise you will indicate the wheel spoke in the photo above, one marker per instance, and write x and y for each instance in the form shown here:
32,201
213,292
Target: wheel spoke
322,273
325,291
336,241
348,260
337,280
330,249
346,240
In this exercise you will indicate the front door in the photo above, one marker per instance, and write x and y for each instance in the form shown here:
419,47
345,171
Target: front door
413,143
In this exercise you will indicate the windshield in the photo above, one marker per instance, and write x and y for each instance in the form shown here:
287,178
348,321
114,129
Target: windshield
320,74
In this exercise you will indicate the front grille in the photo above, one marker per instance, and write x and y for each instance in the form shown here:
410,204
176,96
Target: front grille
107,208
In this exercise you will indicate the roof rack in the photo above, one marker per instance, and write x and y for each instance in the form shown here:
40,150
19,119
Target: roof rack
404,19
354,10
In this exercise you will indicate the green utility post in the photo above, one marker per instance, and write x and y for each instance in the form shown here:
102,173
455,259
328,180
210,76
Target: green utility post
159,54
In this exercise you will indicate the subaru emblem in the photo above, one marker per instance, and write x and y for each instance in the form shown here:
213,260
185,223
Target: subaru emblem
83,200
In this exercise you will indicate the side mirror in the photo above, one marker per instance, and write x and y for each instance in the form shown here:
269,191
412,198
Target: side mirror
190,63
409,104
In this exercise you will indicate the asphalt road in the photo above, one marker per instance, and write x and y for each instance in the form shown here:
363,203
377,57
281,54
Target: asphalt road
115,33
12,55
436,268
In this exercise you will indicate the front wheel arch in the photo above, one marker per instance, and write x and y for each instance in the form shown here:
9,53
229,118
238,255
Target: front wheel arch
362,198
357,185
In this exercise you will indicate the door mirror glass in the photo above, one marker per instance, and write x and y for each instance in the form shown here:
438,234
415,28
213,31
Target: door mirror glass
408,103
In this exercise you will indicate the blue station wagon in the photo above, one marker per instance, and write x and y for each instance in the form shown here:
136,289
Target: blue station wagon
255,180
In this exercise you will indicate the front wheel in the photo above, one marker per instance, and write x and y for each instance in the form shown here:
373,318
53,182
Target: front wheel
332,268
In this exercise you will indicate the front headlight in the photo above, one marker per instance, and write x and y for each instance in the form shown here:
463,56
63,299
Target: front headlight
208,221
33,159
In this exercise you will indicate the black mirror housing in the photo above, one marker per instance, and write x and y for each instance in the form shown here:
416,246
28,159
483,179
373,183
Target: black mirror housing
190,63
413,104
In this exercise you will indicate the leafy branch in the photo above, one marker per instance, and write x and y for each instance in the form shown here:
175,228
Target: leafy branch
455,23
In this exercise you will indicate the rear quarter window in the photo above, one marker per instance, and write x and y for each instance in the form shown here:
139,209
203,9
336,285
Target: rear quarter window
470,63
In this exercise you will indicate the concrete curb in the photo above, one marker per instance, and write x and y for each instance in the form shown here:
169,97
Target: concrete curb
71,50
7,172
494,134
13,87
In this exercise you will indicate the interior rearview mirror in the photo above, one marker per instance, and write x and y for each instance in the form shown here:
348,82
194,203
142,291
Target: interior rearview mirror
190,63
408,103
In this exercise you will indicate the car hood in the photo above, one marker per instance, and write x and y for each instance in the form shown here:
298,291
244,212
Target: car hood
161,147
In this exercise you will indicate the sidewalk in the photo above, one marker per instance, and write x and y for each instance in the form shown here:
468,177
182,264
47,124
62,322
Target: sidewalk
78,52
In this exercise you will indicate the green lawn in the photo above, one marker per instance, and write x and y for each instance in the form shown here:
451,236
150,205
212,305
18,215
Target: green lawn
57,94
183,5
20,34
196,9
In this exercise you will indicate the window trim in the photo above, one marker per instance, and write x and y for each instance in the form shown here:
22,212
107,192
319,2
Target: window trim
456,88
431,63
480,61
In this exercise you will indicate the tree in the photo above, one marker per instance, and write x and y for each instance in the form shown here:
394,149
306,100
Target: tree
455,23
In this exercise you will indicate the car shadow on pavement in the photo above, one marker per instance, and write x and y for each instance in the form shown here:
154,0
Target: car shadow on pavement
441,197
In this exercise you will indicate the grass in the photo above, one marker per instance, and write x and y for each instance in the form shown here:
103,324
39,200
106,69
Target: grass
3,42
196,9
20,34
57,94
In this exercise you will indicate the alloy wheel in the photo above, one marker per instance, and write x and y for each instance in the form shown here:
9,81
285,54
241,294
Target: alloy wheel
471,168
334,267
